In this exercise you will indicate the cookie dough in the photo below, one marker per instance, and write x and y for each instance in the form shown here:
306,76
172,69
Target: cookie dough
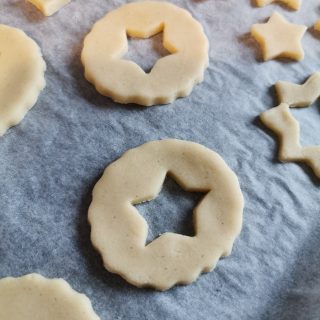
171,77
21,75
279,38
119,232
317,25
49,7
33,297
293,4
297,95
281,121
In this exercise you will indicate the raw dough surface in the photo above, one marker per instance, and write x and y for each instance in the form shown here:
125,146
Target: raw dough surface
49,7
279,39
34,297
119,232
21,75
282,122
171,77
267,276
297,95
293,4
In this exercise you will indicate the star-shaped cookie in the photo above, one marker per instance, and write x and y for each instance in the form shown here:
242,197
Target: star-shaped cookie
317,25
281,121
49,7
297,95
293,4
279,38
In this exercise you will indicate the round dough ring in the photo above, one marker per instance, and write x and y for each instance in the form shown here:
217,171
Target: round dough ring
22,71
119,232
172,76
34,297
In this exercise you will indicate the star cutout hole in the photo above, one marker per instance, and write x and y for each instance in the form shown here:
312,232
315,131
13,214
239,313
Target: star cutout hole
146,52
308,119
171,211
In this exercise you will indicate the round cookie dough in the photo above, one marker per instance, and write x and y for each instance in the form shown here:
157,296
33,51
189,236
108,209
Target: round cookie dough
172,76
119,232
21,75
34,297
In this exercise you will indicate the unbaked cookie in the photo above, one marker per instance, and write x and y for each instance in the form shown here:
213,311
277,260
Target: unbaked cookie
171,77
119,232
279,39
297,95
34,297
282,122
22,71
293,4
49,7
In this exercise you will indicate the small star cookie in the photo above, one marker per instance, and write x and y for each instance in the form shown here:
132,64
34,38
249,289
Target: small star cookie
119,232
279,38
49,7
299,95
281,121
293,4
171,77
317,25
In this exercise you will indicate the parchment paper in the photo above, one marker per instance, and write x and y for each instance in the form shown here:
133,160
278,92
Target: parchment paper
50,162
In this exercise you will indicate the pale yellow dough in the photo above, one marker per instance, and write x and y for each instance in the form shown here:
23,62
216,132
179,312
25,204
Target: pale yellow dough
119,232
21,76
317,25
34,297
172,76
281,121
297,95
293,4
279,39
49,7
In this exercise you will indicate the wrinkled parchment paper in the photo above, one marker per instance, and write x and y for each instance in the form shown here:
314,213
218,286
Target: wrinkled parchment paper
50,162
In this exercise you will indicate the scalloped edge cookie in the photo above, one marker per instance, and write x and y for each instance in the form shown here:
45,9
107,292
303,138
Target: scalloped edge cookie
171,77
22,79
34,297
119,232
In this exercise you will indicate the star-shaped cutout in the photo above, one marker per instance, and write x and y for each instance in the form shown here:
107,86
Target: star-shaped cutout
279,38
293,4
179,205
281,121
145,52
